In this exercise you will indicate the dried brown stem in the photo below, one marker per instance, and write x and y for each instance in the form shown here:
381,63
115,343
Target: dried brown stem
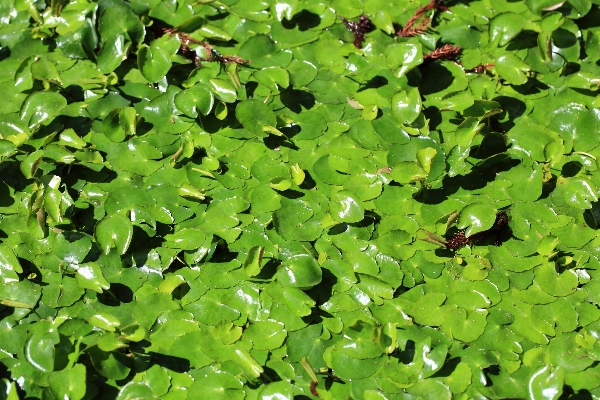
214,56
419,29
446,52
422,27
480,69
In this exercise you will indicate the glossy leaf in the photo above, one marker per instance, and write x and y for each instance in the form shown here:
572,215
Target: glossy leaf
345,206
406,106
505,27
40,107
512,69
476,218
299,271
255,116
89,276
114,232
69,383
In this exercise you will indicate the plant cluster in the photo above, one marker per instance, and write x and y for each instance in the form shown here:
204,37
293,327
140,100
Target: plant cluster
230,199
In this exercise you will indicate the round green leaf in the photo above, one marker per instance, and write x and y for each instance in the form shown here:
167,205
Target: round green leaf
195,99
394,243
223,91
89,276
69,383
254,115
301,271
264,199
113,365
577,126
280,184
345,206
105,321
580,193
221,385
554,283
68,137
464,326
154,62
112,127
185,239
406,106
245,360
112,53
347,367
253,262
40,107
547,245
546,383
44,70
136,390
476,217
39,348
114,232
110,341
266,335
9,265
506,26
512,69
405,55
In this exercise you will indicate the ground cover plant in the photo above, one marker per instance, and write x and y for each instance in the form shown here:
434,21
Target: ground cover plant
234,199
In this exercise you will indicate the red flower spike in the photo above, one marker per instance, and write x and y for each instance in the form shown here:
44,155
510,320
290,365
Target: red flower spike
500,224
359,29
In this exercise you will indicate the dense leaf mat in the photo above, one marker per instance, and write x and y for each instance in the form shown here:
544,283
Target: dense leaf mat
264,199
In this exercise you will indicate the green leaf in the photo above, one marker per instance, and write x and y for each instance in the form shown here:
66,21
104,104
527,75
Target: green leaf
284,9
580,193
395,243
196,99
154,61
254,116
135,390
546,382
406,106
114,49
554,283
301,271
465,326
185,239
512,69
209,384
9,265
505,27
40,107
115,232
44,70
345,206
89,276
69,138
253,262
69,383
476,218
265,335
104,321
39,348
